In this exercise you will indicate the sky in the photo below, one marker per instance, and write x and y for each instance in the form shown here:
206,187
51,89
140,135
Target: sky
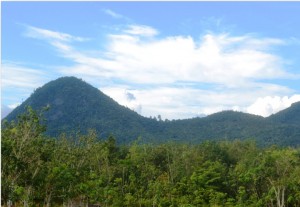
175,59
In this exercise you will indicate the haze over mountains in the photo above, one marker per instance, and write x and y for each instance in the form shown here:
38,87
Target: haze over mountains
77,106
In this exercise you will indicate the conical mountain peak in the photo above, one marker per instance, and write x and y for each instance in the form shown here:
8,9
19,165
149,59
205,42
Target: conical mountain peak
78,106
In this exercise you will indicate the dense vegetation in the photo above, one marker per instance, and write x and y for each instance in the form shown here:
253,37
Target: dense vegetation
79,169
77,106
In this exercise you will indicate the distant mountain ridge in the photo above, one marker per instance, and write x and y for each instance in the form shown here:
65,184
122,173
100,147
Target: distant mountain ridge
77,106
289,115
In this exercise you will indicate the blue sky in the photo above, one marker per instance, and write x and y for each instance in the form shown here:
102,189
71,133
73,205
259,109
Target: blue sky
176,59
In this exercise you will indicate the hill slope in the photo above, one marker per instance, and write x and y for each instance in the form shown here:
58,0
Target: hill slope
290,115
76,105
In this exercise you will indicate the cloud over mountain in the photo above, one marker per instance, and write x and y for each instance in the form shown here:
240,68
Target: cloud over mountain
271,105
177,76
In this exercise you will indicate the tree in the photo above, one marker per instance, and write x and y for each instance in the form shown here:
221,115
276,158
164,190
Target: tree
280,166
208,183
21,158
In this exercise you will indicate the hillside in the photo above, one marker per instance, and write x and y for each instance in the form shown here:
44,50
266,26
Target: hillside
290,115
77,106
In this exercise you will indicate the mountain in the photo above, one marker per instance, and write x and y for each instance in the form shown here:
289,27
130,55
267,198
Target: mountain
290,115
77,106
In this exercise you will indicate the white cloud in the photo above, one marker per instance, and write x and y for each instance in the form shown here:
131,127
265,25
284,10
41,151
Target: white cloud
18,82
18,76
268,105
14,105
214,58
220,59
181,102
35,32
232,68
141,30
113,14
123,97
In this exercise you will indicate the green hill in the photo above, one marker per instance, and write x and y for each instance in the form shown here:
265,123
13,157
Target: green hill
290,115
76,106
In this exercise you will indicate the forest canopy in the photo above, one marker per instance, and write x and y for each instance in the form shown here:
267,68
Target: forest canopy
75,170
78,106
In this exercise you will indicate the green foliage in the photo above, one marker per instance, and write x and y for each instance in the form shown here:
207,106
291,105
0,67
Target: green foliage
76,106
287,116
81,169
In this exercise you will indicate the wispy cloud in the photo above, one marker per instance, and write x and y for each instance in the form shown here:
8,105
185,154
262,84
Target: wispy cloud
141,30
232,67
17,76
113,14
21,81
45,34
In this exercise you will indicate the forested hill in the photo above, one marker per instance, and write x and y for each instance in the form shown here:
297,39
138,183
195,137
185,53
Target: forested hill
76,106
290,115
